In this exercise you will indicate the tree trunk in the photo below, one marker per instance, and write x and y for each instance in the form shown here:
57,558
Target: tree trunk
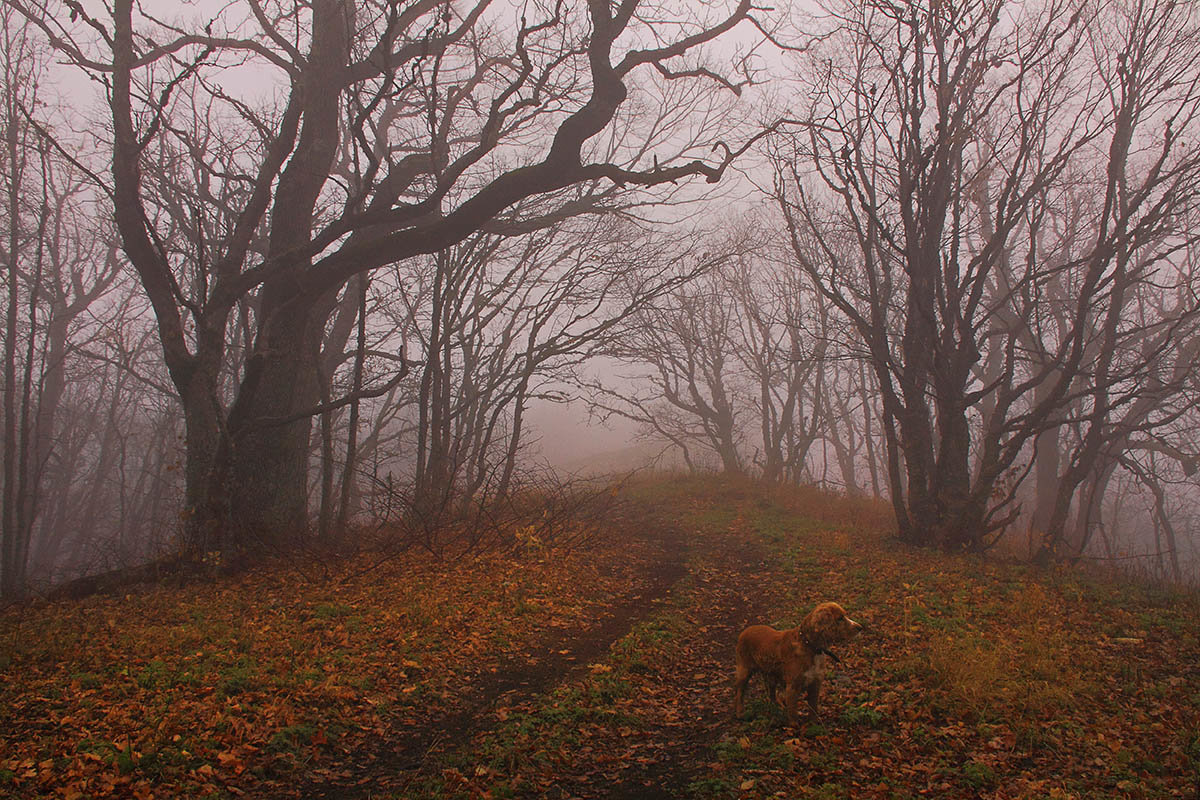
205,507
14,536
270,433
958,524
326,424
360,354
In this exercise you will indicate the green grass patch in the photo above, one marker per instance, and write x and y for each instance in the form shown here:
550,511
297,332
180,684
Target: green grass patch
291,739
862,717
238,677
712,786
978,776
332,611
153,675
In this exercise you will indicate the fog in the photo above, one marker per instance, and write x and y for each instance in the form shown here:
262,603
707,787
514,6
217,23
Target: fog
570,439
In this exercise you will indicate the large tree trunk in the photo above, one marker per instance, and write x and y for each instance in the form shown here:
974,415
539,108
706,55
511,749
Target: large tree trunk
962,506
270,433
916,426
957,526
915,440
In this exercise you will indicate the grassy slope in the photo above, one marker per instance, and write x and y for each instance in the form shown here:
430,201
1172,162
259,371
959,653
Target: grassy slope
977,679
255,683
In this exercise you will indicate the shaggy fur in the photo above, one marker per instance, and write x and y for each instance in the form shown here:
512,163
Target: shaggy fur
793,658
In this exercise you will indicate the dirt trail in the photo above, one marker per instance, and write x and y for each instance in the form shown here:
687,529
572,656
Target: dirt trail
687,712
727,574
560,658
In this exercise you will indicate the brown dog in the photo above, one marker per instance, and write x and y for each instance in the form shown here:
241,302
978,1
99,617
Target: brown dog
795,658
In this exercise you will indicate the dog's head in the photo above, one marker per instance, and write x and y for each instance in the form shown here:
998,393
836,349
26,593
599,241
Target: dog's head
827,625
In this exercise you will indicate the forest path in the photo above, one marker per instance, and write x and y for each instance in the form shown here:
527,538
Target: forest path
642,720
683,697
558,658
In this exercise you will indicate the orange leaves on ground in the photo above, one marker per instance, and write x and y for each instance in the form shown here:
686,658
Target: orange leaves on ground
975,679
235,686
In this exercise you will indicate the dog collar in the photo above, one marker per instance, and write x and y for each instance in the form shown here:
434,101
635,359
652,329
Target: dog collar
821,651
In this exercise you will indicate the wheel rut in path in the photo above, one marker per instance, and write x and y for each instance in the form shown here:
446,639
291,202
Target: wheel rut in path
676,750
391,764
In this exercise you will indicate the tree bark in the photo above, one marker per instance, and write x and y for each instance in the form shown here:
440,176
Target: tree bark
269,458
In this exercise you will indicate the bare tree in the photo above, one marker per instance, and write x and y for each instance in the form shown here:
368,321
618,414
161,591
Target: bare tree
449,117
781,343
944,141
683,387
731,366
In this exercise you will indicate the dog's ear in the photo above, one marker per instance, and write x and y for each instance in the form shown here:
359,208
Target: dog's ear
810,627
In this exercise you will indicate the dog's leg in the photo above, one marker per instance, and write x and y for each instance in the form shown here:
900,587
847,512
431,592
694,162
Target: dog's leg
791,699
772,687
814,691
740,679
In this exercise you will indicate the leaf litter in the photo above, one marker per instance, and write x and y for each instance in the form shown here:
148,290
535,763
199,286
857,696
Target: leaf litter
606,672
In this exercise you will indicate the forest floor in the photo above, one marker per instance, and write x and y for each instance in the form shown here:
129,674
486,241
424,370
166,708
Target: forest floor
606,672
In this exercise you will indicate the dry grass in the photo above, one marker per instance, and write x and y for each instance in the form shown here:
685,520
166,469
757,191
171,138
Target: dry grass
1027,670
848,514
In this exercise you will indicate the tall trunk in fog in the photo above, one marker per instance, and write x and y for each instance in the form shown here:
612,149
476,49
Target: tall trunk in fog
22,251
514,435
13,552
1166,542
333,353
1046,460
356,385
269,473
869,438
326,433
28,445
432,400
